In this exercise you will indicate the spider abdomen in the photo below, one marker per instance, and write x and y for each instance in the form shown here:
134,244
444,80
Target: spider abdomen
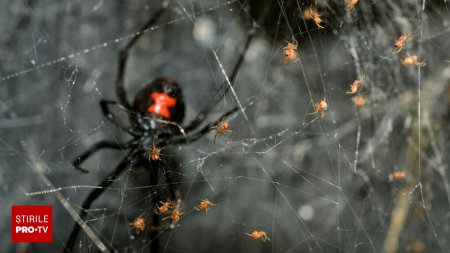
163,99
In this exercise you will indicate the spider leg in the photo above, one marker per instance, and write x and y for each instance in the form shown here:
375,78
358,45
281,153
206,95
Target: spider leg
171,180
181,139
124,164
123,57
96,147
220,93
112,118
154,176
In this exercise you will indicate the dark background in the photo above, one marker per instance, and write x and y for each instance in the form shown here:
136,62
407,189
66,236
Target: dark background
282,169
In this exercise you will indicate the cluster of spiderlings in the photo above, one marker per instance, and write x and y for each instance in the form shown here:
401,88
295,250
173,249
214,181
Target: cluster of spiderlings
399,44
172,207
168,207
320,107
359,99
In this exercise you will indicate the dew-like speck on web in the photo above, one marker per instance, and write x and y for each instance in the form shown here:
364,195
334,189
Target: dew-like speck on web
306,212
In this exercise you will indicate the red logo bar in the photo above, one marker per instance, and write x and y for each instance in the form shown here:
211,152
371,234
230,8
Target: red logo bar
31,224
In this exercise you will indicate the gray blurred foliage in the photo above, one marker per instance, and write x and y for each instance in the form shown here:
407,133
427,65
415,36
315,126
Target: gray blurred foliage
281,170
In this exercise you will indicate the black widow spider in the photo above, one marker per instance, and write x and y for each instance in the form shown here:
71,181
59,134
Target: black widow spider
155,115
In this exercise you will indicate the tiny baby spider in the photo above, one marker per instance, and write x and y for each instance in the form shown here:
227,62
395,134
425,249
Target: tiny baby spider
221,128
259,235
355,85
204,205
290,51
416,246
320,108
359,100
138,224
313,14
164,207
155,153
401,41
413,60
175,215
351,4
398,175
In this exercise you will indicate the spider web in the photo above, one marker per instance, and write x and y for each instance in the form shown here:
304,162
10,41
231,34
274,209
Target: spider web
312,183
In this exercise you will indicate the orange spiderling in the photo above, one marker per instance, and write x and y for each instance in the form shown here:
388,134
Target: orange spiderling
307,13
413,60
359,100
355,85
401,41
313,14
259,235
204,205
290,51
175,215
221,128
320,108
351,4
138,224
164,207
399,175
416,246
155,153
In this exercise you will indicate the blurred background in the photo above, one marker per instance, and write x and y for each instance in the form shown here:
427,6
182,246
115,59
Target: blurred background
371,175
